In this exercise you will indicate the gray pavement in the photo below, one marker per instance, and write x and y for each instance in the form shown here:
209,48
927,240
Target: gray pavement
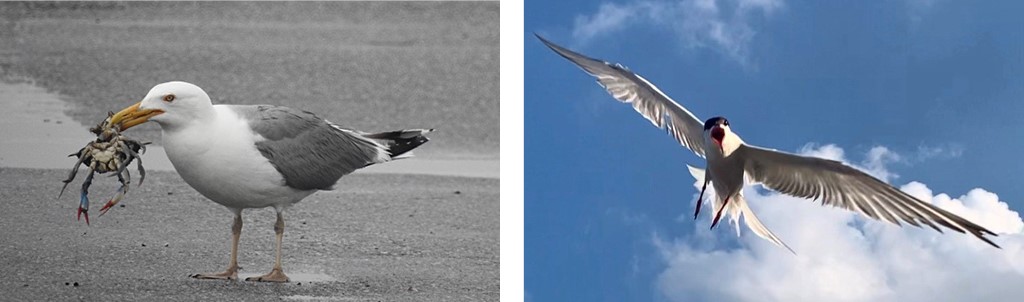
378,237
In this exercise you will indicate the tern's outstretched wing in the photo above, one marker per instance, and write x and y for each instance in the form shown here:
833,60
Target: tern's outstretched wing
650,102
842,186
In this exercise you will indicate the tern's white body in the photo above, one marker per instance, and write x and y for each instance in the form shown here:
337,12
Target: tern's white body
723,167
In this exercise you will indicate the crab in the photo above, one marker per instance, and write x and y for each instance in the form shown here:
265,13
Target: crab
110,152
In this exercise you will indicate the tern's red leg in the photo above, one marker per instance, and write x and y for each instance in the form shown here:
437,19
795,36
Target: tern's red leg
700,200
719,215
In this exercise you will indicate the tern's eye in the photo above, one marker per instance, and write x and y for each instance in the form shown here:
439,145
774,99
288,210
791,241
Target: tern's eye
726,122
169,98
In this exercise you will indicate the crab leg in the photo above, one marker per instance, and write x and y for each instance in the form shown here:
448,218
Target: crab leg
124,163
74,171
127,176
83,206
142,171
119,194
132,155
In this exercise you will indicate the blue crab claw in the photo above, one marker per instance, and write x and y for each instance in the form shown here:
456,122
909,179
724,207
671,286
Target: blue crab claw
86,212
83,205
114,200
83,208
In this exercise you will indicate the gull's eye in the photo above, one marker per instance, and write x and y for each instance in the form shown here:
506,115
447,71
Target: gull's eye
169,98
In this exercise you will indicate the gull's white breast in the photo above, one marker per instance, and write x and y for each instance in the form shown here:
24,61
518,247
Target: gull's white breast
218,158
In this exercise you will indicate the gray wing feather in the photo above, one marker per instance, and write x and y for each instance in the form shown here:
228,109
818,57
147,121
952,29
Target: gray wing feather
310,152
845,187
648,100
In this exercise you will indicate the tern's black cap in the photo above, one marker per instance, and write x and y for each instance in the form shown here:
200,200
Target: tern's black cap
711,122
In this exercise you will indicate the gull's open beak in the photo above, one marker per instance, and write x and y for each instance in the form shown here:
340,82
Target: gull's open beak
132,116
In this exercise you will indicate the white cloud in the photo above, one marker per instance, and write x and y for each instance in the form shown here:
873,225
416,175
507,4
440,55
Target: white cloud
842,256
609,18
721,25
942,152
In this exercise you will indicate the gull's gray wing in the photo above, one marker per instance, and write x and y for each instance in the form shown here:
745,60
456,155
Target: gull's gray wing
310,152
845,187
650,102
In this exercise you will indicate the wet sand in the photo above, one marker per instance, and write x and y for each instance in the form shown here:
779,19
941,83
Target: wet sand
378,237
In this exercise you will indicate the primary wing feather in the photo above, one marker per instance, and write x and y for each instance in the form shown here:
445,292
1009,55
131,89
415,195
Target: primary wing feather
650,102
843,186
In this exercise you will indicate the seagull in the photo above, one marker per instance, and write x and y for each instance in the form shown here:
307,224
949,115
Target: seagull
256,156
731,163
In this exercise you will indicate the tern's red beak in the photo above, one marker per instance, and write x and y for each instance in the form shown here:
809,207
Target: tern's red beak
717,133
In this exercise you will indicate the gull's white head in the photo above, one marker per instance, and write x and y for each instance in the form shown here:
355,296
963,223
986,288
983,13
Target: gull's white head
717,132
168,104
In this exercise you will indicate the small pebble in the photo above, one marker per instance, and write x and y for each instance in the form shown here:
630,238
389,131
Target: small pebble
122,205
46,120
74,284
67,283
143,245
303,222
458,192
170,193
60,122
167,244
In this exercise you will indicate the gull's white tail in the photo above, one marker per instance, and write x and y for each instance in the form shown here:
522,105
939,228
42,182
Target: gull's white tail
738,207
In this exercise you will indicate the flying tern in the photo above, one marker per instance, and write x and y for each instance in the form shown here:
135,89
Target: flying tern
731,163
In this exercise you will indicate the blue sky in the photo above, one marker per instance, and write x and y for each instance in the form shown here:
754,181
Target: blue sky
936,86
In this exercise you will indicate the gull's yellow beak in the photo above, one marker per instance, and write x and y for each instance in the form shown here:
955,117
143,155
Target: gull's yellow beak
132,116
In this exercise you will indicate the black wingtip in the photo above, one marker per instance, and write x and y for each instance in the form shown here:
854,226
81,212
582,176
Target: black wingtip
990,242
981,236
562,51
402,141
547,42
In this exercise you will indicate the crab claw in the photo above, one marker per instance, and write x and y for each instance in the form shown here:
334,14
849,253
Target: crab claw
107,207
114,200
86,212
83,205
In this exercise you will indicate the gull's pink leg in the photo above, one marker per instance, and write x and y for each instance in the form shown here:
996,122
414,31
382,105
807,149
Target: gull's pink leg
232,272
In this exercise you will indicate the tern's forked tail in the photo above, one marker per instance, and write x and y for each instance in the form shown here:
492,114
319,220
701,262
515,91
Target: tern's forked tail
736,208
753,223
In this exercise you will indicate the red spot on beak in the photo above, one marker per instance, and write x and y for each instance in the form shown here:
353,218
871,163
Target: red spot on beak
717,134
